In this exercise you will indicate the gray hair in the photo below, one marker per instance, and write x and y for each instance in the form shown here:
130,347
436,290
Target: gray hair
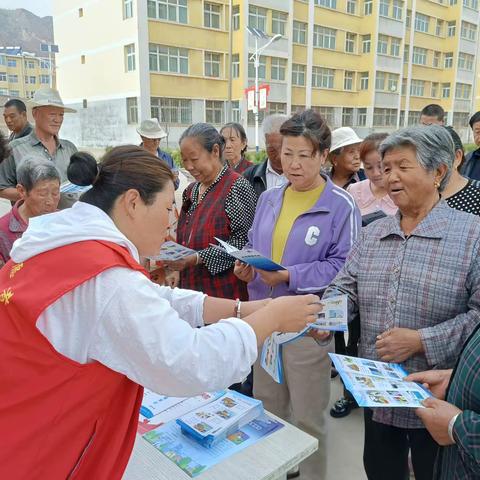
34,169
433,147
273,123
207,135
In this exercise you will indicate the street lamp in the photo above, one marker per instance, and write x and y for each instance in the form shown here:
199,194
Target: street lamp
257,34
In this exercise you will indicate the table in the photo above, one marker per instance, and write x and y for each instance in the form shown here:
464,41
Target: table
268,459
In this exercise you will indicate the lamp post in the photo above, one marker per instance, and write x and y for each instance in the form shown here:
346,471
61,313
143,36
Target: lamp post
257,34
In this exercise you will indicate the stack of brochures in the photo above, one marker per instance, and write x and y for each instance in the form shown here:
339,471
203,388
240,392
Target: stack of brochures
378,384
68,187
332,318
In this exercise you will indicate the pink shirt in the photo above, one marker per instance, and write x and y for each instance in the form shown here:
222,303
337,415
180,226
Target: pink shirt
367,202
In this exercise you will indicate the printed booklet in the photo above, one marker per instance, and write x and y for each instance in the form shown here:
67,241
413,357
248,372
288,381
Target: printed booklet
378,384
172,251
68,187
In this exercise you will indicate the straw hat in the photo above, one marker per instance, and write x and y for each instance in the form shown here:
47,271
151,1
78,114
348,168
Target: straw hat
48,97
151,129
341,137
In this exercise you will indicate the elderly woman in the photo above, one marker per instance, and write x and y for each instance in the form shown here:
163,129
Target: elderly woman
308,226
413,280
220,203
39,190
235,147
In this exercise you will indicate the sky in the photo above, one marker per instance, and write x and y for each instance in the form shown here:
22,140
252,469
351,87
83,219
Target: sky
38,7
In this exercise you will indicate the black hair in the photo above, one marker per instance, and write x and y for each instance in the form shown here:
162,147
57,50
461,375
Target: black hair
474,119
82,168
18,104
4,147
207,135
240,131
433,110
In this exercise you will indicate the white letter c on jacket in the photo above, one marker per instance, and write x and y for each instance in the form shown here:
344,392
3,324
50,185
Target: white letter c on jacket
311,238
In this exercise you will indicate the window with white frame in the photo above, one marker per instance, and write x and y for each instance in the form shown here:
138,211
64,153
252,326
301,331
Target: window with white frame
384,8
168,59
324,37
12,62
408,19
45,64
235,65
279,22
12,78
436,59
257,17
279,68
326,3
382,45
298,74
28,64
417,88
236,111
445,90
380,81
434,90
262,68
14,93
4,91
347,117
466,61
129,57
3,76
236,17
448,61
214,112
368,7
364,81
463,91
212,15
212,63
348,80
384,117
352,7
393,82
469,31
421,22
351,42
132,110
3,60
323,77
451,27
419,56
127,9
362,117
439,28
299,32
328,114
276,107
460,119
397,12
366,43
395,43
406,53
45,79
171,110
31,79
171,10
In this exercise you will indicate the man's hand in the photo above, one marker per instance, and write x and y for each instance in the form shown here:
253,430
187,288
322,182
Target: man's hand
272,279
435,380
398,344
181,264
436,417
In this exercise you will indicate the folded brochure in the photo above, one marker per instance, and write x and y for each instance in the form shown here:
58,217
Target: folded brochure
172,251
378,384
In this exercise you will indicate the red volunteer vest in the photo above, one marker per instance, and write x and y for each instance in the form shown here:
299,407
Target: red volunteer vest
59,419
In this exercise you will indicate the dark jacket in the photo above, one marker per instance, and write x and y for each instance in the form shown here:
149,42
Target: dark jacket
257,176
469,168
26,131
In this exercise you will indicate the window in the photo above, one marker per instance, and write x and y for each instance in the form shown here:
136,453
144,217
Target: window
421,22
172,110
367,7
214,112
129,53
452,2
362,117
460,119
212,63
298,74
172,10
251,117
436,59
30,79
168,59
404,86
80,12
3,60
30,64
350,42
352,7
236,17
469,31
348,80
44,64
84,103
395,46
235,65
3,76
445,90
4,91
324,37
419,56
82,58
406,53
382,46
132,110
236,112
417,88
465,61
384,7
127,9
448,63
364,81
439,28
328,113
11,62
380,81
326,3
262,68
451,26
299,32
347,117
257,17
13,79
397,12
279,23
276,107
45,79
279,68
211,15
384,117
463,91
322,77
434,90
393,82
408,20
14,93
366,43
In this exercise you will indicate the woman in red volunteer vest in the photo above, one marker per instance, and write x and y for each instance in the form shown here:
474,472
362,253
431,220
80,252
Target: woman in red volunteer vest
83,328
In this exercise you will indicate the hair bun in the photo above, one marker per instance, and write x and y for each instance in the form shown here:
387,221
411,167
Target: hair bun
83,169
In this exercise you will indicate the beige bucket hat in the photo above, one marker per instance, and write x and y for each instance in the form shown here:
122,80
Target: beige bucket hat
341,137
151,129
48,97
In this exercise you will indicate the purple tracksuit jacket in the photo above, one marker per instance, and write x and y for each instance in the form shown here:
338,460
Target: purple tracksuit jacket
317,245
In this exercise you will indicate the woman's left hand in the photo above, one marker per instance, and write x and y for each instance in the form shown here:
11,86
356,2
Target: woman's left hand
181,264
272,279
398,344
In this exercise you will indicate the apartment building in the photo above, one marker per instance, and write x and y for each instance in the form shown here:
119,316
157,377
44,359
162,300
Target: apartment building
369,64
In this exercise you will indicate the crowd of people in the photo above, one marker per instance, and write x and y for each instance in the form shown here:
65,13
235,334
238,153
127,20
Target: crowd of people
390,220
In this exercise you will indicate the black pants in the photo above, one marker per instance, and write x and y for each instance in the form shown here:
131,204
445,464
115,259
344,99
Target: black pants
385,451
351,348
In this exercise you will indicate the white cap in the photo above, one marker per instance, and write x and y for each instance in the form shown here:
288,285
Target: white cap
341,137
48,97
151,129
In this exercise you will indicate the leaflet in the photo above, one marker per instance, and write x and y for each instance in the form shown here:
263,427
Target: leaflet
172,251
271,359
68,187
249,256
378,384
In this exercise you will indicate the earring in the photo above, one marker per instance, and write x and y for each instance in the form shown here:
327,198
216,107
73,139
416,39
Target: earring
437,184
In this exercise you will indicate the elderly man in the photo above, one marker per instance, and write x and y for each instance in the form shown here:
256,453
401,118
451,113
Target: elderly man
47,110
15,115
471,166
432,114
269,173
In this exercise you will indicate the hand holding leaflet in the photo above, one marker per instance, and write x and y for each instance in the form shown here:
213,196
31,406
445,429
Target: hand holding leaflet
172,251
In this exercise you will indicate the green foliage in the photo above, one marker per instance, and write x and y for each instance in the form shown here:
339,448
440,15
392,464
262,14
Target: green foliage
469,147
256,157
175,153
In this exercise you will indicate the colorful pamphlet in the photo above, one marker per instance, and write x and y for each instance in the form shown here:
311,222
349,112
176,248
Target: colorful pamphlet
378,384
68,187
249,256
172,251
215,421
